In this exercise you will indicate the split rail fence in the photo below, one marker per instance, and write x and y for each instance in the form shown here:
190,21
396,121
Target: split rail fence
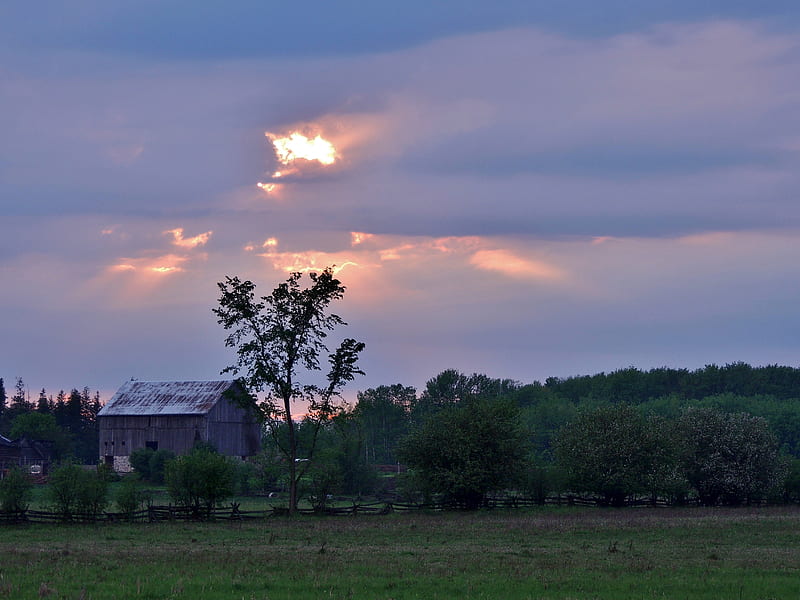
233,512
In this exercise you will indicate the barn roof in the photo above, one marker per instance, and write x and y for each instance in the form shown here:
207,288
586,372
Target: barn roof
165,398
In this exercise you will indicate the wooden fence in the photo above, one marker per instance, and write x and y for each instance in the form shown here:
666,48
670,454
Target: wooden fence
233,512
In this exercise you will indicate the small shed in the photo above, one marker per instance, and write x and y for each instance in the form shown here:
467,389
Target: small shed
33,456
176,415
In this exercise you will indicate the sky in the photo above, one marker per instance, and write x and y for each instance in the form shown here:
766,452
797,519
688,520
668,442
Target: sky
516,188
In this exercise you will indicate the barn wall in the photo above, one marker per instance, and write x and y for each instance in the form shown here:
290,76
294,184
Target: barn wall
121,435
232,431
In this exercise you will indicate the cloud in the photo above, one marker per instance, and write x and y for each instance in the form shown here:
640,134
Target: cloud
193,242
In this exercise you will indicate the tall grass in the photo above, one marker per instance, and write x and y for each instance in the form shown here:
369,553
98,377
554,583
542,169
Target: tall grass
543,553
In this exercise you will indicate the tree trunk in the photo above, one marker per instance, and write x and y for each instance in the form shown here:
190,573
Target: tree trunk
292,457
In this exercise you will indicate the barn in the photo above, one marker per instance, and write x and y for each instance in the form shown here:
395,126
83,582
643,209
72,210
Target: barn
175,415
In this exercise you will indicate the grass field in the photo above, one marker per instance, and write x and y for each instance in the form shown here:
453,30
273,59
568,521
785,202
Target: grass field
547,553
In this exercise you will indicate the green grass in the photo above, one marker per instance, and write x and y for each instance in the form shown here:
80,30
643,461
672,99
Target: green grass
545,553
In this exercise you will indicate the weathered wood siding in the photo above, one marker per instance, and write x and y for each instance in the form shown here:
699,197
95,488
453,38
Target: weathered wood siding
232,430
121,435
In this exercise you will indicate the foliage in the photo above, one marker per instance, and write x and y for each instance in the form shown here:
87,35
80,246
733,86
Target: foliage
38,426
73,489
612,451
383,413
453,387
131,495
158,461
200,479
323,479
465,451
15,490
140,461
729,458
278,336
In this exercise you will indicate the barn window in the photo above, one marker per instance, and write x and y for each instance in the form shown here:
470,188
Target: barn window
151,445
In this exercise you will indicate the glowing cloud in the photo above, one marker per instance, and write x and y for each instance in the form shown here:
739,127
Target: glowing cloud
295,151
161,265
296,146
304,262
509,264
358,237
193,242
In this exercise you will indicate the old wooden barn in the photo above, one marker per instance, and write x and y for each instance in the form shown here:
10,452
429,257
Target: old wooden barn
175,415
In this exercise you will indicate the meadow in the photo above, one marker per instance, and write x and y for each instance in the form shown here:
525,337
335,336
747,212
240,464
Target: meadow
547,553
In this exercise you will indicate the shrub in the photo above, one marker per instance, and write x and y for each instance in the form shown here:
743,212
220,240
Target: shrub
15,491
131,496
201,479
140,461
158,461
76,490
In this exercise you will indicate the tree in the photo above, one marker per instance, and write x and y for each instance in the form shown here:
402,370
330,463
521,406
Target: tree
383,414
611,451
276,337
729,458
42,427
3,400
465,451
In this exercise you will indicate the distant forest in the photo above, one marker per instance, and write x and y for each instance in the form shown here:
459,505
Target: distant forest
386,414
68,420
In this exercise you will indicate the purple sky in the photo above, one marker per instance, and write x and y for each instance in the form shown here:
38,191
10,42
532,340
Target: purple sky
540,190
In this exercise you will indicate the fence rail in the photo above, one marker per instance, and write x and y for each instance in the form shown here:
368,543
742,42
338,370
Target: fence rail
233,512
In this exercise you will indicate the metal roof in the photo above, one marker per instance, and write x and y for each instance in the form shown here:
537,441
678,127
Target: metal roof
165,398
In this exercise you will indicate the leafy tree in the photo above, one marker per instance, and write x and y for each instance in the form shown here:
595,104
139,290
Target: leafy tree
466,451
15,491
200,480
383,414
40,426
611,451
453,387
729,458
276,337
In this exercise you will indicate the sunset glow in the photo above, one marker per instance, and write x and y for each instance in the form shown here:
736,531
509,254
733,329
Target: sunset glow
296,151
296,146
192,242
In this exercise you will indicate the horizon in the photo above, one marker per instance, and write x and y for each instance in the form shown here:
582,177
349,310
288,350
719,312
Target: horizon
515,190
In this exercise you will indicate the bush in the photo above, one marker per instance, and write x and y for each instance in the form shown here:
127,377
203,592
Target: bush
131,496
73,490
201,479
322,480
15,491
158,461
140,461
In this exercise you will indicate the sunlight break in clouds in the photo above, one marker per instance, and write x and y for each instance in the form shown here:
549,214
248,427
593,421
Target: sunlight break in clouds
193,242
297,147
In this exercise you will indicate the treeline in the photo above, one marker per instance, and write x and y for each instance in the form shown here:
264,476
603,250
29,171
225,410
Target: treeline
67,421
673,434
